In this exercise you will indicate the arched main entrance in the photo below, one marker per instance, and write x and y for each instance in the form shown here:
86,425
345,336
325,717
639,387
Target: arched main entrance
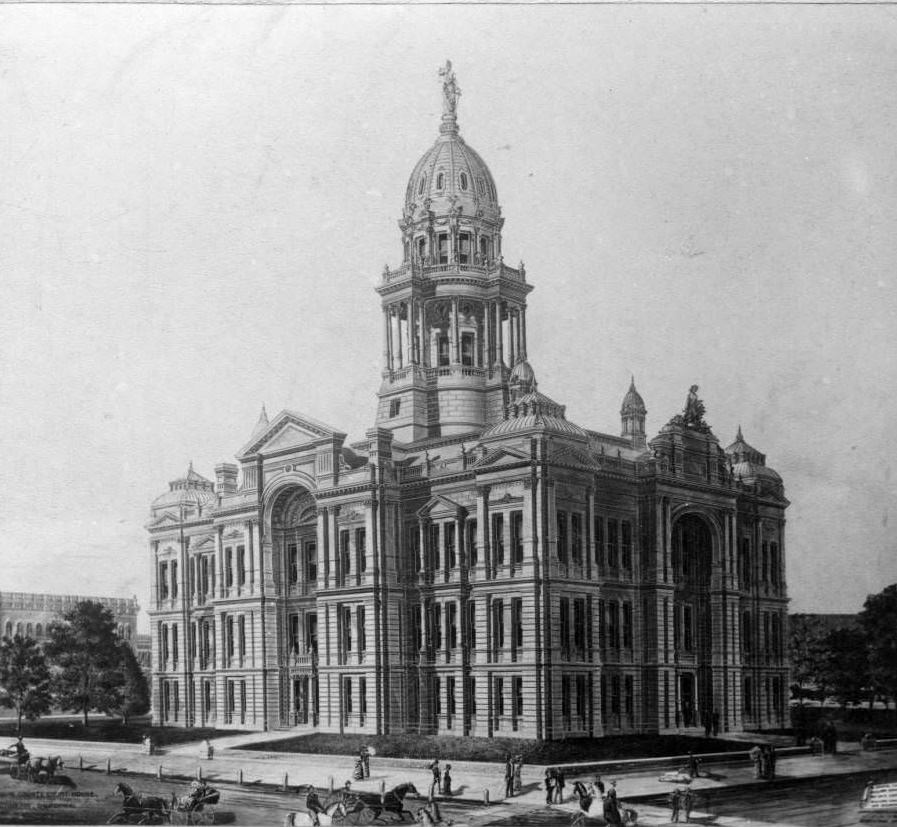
692,623
295,554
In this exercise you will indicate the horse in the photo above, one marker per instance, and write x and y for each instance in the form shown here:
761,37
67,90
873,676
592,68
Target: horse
325,818
392,801
143,807
592,810
42,770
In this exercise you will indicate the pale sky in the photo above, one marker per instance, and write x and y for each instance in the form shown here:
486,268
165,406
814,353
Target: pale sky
197,202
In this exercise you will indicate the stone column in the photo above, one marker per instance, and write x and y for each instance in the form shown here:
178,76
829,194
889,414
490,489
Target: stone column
369,529
387,340
455,357
413,356
499,354
512,337
422,334
323,546
484,554
487,336
422,545
399,355
523,332
219,563
334,532
590,532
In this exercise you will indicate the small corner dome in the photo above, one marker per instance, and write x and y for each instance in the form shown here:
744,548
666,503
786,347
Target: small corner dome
191,490
633,402
523,377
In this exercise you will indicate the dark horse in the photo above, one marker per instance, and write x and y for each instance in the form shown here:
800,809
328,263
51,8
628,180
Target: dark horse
392,801
138,808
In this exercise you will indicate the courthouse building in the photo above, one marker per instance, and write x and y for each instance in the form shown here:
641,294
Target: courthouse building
478,564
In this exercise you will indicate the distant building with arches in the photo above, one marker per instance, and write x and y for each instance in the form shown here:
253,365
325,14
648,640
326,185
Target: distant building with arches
478,564
28,613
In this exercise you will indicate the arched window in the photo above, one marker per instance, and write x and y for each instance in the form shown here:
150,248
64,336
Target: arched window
463,179
421,185
481,186
19,627
38,631
29,630
746,642
440,180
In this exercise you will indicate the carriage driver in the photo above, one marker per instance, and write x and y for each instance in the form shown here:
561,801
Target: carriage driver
22,754
313,805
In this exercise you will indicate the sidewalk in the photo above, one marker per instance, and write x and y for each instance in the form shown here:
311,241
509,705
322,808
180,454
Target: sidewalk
470,779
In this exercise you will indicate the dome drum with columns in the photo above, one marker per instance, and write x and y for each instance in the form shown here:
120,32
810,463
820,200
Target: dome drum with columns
479,564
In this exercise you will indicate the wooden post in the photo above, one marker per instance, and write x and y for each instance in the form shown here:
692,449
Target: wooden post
240,782
330,782
159,772
108,766
285,782
199,773
382,787
486,795
80,762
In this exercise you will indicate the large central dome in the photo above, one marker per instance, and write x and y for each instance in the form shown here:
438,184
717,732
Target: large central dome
451,176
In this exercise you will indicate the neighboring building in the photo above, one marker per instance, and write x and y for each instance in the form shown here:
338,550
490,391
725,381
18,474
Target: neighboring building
478,564
30,614
143,648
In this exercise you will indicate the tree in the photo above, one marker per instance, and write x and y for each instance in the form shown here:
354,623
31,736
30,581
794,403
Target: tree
84,650
845,669
24,678
808,653
126,689
879,622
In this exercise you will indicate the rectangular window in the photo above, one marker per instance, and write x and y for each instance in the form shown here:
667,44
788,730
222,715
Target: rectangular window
204,575
498,539
467,352
448,535
603,696
471,542
517,701
499,697
629,696
229,643
294,634
347,698
442,246
242,702
362,634
581,699
746,641
564,627
627,625
451,625
241,565
437,626
774,563
746,699
602,626
345,556
394,407
464,248
562,536
163,581
472,696
193,640
311,632
450,705
471,624
434,546
228,567
599,542
174,644
174,580
612,539
688,628
579,628
416,630
163,634
677,626
565,701
293,564
361,554
764,562
362,698
437,695
613,624
498,625
745,562
517,538
517,623
615,694
311,563
442,344
347,629
626,551
576,537
413,544
241,629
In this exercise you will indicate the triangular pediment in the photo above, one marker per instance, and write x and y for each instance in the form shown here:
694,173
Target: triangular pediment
439,504
575,456
203,544
163,519
502,456
289,429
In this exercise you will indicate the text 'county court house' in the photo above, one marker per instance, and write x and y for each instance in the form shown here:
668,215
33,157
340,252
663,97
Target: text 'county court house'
478,564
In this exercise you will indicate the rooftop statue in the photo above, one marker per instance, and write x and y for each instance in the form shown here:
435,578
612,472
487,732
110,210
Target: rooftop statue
694,408
450,90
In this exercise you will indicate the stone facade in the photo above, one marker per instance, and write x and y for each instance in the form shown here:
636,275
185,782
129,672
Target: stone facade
477,564
27,613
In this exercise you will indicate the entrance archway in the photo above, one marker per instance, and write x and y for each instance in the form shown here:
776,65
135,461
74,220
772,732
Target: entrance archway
692,622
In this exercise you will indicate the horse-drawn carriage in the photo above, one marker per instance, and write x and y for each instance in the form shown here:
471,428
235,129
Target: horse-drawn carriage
37,769
197,806
352,807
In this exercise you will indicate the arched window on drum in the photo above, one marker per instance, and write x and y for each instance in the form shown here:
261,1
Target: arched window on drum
29,630
38,631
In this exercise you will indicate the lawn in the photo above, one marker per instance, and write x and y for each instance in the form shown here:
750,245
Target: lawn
105,729
449,748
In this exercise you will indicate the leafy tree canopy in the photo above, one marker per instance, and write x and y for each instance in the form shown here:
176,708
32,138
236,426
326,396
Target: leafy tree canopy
879,622
24,678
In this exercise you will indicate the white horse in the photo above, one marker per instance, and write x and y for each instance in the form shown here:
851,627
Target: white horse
591,809
302,818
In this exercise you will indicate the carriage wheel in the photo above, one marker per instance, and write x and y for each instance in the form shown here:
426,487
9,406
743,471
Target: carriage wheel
204,816
118,818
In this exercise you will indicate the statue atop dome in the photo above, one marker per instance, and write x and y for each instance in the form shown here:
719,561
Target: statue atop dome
450,91
694,408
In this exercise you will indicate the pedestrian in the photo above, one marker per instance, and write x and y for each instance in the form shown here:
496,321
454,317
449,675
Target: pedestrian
434,784
688,801
708,725
447,781
754,755
559,784
675,801
509,777
366,761
694,765
358,772
611,806
715,719
549,786
518,769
